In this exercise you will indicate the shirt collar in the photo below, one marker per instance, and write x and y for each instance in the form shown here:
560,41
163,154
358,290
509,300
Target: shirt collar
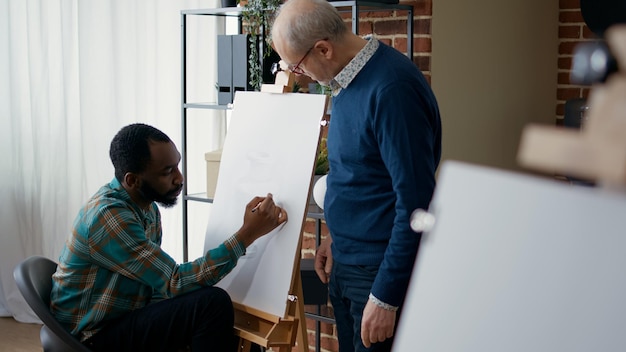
347,74
147,216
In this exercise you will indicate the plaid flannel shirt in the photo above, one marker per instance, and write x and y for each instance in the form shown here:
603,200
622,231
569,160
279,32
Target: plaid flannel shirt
113,263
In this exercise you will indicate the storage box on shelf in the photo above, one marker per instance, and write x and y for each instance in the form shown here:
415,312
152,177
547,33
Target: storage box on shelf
212,171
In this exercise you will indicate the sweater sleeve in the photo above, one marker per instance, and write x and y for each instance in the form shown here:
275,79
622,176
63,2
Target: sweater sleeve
406,124
118,242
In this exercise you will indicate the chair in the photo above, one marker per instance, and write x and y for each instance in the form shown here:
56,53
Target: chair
34,280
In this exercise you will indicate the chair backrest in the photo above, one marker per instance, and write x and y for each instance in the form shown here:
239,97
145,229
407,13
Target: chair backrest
33,277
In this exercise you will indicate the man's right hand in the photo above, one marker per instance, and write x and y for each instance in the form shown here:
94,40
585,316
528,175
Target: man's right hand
324,260
261,216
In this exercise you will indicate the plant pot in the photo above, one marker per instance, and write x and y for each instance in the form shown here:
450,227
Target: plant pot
318,190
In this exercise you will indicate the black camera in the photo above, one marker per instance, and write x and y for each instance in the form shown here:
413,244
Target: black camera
593,61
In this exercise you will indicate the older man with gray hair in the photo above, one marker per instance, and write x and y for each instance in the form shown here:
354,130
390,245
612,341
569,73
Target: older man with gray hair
384,146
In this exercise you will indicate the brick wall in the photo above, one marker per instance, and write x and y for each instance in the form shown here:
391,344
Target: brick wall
572,31
390,28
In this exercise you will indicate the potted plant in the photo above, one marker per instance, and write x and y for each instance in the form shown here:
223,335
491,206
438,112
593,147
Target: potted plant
257,17
321,162
321,169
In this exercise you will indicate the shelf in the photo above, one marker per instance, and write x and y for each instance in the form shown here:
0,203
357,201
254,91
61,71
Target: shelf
198,197
322,317
212,106
363,5
369,6
224,11
314,212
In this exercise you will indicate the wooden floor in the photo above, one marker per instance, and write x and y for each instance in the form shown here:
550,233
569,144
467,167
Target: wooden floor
19,337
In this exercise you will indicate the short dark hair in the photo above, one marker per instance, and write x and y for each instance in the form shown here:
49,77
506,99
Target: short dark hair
130,148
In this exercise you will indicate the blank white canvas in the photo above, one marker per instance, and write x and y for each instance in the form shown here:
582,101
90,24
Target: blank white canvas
518,263
270,148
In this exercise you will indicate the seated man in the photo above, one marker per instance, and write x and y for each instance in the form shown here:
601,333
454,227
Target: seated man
113,264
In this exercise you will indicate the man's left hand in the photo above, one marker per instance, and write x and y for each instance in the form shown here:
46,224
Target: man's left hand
377,324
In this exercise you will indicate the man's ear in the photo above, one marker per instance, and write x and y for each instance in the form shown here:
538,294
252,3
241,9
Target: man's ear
132,180
325,47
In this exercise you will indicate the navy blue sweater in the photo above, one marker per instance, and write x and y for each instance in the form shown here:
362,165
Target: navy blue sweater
384,145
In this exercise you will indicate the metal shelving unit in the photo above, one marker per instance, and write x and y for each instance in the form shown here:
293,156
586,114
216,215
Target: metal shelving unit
355,7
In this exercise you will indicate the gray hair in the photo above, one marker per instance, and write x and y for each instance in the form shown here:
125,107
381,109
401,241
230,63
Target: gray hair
314,20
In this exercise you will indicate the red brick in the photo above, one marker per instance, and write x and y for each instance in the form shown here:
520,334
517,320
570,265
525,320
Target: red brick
401,13
420,45
309,225
325,328
569,31
330,343
309,243
568,93
428,78
571,17
420,7
569,4
423,62
390,27
563,78
422,26
400,45
382,13
567,48
565,63
386,41
310,324
365,27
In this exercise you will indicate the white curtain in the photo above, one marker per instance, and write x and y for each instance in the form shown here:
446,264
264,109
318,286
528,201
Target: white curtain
72,73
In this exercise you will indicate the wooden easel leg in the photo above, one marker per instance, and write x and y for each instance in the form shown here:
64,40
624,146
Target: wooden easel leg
302,338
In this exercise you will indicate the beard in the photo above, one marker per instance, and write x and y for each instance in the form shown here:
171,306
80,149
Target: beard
167,200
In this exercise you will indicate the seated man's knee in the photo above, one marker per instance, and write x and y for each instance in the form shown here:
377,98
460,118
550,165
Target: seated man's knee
217,302
222,296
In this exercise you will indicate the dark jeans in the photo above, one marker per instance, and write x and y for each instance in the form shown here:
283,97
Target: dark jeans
349,290
201,320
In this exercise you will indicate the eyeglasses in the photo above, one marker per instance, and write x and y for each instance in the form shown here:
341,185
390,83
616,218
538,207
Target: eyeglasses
296,68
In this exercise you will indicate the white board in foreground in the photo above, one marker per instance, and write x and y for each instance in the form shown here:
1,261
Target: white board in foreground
270,148
517,263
